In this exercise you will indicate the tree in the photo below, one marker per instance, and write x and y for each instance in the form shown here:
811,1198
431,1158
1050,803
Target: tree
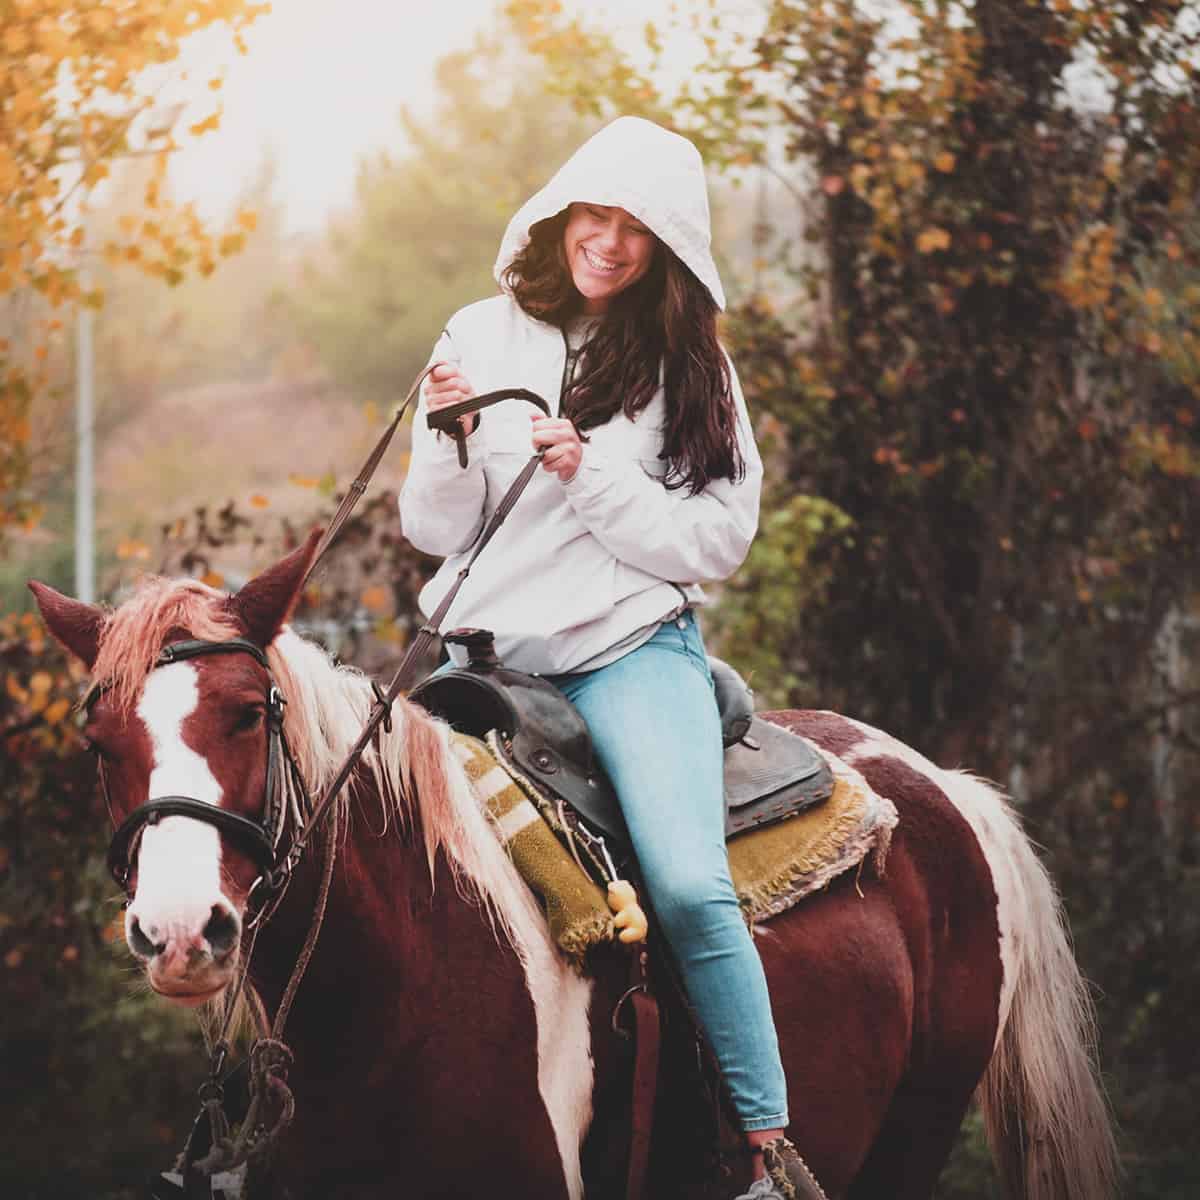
982,423
78,84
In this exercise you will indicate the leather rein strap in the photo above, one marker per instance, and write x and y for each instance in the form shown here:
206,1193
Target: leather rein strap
445,419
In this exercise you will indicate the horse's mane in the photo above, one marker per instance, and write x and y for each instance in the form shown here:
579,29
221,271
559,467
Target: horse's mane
327,707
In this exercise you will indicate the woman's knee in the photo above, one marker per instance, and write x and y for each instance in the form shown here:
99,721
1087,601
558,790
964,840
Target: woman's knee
688,900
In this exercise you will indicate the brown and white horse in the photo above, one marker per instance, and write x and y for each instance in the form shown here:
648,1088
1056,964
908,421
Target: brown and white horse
444,1049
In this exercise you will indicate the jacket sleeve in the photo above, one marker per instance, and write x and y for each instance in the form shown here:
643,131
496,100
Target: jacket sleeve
677,536
441,503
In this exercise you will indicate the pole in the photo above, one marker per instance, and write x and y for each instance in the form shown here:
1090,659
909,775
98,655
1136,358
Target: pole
85,533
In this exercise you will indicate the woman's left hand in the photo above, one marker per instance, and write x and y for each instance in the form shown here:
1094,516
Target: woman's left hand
564,450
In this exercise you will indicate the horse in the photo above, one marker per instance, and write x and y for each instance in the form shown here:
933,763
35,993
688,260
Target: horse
443,1046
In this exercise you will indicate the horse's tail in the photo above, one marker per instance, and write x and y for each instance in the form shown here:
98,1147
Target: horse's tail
1044,1110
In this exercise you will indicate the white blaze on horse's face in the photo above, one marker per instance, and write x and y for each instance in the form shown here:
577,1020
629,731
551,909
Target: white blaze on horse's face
180,923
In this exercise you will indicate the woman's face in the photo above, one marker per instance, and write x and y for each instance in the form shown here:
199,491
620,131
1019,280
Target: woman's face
607,250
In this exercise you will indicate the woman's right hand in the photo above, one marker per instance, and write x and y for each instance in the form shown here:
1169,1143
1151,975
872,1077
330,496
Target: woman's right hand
446,385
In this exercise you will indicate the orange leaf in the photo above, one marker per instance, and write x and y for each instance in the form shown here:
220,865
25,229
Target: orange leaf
258,500
375,598
214,579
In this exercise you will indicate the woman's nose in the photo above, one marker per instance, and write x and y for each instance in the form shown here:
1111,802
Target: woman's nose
610,234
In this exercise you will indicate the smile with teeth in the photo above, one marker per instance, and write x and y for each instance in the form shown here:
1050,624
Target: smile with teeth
596,262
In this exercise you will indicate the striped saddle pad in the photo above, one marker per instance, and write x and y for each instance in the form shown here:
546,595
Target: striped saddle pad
773,866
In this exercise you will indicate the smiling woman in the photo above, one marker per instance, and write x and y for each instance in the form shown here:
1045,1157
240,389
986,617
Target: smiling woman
607,251
650,486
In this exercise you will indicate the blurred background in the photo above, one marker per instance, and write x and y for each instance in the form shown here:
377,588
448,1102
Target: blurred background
963,256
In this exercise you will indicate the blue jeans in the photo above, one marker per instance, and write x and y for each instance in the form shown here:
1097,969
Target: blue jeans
653,719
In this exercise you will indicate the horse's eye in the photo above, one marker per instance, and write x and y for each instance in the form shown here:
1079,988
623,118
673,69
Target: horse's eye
248,718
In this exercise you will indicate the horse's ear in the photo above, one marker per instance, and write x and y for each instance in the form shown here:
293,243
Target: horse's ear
73,622
266,602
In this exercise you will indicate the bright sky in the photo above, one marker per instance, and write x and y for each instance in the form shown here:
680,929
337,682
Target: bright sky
323,84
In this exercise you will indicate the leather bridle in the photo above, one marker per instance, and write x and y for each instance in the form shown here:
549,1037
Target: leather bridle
284,790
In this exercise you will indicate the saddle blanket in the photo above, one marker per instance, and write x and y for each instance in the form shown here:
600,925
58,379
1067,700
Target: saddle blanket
773,866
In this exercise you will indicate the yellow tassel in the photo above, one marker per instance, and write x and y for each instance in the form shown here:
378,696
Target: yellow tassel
629,918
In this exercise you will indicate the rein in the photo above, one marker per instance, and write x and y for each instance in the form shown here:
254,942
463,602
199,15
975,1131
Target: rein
285,793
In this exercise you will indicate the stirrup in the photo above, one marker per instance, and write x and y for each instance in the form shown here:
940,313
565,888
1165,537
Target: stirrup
789,1172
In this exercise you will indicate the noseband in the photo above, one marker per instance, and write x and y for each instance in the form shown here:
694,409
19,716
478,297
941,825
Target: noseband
260,839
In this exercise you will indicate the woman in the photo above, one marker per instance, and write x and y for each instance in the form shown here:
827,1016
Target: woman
650,485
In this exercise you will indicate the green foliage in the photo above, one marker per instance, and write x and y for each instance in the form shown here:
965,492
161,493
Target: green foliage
786,570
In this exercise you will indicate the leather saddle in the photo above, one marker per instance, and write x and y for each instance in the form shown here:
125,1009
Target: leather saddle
769,772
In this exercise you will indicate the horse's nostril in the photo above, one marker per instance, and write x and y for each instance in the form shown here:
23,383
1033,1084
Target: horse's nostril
222,931
141,945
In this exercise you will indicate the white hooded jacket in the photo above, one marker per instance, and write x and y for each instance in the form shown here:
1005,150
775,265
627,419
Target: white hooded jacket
583,566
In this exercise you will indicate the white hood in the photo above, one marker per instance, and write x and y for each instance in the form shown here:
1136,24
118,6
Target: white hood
655,175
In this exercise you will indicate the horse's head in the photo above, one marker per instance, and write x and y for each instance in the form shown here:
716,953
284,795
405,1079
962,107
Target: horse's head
196,729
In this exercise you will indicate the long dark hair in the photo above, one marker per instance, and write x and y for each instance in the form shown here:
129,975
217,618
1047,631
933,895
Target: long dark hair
661,329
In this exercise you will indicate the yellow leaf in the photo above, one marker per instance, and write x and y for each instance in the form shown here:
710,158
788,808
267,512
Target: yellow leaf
933,239
944,162
248,219
55,712
41,681
211,122
304,481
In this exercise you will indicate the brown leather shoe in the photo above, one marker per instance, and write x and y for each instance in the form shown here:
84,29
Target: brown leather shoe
789,1172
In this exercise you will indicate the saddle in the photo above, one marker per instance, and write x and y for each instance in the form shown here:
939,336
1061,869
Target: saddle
769,772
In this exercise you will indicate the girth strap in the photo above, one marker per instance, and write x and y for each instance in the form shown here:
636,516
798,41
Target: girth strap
646,1035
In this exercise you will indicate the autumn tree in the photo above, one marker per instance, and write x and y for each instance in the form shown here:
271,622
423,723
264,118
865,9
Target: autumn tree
981,419
81,83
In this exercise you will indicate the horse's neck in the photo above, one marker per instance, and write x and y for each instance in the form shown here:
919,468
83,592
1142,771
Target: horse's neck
388,929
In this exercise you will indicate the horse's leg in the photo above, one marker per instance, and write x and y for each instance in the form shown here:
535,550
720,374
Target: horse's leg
913,1145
